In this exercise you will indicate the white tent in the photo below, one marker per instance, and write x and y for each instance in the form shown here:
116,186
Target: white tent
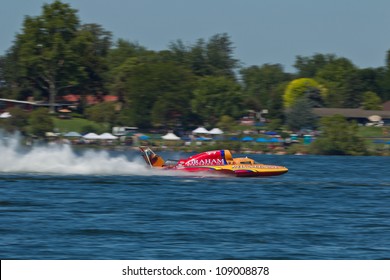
51,134
170,136
201,130
72,134
91,136
375,118
216,131
107,136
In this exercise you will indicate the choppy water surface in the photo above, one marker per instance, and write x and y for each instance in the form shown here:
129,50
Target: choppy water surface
58,204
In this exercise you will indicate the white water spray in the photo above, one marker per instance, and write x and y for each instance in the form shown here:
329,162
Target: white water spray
61,159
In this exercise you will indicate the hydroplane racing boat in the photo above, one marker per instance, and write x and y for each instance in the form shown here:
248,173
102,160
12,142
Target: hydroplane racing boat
218,161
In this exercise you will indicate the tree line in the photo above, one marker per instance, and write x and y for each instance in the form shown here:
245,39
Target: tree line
184,85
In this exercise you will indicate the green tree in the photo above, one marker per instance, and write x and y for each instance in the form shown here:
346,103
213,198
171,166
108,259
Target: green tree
17,122
215,97
371,80
124,50
309,66
198,59
274,124
121,60
45,48
275,102
211,58
40,122
339,137
371,101
179,53
10,82
93,44
220,55
13,84
226,123
145,83
124,117
340,78
299,88
300,115
102,113
385,79
172,110
259,83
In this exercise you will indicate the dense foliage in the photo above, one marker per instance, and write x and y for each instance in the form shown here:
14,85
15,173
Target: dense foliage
299,88
339,137
300,115
184,85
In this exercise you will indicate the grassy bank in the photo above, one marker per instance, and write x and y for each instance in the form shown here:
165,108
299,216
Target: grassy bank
79,125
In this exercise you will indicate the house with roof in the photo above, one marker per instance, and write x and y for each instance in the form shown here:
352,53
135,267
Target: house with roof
386,106
75,99
70,100
359,115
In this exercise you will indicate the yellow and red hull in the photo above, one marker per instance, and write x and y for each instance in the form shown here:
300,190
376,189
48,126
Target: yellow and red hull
256,170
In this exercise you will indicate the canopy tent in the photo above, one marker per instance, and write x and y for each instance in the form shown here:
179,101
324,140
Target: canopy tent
201,130
216,131
203,138
274,140
51,134
107,136
72,134
91,136
271,133
143,137
268,140
375,118
247,139
170,136
261,140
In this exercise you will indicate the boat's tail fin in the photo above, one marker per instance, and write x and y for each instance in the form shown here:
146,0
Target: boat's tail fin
151,158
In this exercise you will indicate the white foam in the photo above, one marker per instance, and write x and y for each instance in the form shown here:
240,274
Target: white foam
60,158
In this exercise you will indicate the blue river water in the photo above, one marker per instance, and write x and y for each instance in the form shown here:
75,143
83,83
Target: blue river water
59,204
